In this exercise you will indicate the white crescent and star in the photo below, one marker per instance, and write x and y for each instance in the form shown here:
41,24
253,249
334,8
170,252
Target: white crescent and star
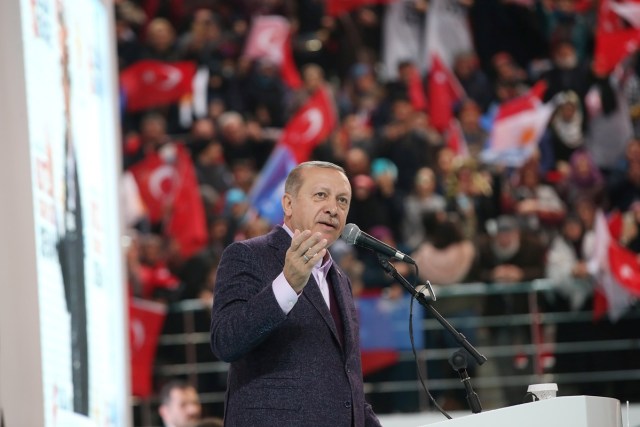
173,77
314,124
158,176
170,75
270,43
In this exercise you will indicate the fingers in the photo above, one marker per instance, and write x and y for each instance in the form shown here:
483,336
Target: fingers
310,248
305,251
313,259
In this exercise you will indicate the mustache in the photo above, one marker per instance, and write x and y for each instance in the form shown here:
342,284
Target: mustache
330,221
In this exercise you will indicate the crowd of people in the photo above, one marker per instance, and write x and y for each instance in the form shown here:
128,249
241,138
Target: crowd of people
462,219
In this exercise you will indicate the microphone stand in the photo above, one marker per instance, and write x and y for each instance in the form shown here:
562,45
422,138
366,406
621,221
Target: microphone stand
458,362
426,303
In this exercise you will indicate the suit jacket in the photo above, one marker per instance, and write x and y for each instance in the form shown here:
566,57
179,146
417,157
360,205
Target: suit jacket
286,370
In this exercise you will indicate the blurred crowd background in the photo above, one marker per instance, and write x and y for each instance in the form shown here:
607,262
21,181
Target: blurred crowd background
208,101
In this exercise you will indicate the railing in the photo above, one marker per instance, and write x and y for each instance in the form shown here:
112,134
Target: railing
607,362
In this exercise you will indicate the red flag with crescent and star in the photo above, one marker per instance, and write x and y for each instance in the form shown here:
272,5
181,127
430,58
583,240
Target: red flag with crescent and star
311,125
169,189
617,33
270,39
150,83
146,319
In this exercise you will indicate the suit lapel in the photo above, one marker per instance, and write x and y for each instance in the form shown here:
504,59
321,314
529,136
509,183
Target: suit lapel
280,241
342,291
312,293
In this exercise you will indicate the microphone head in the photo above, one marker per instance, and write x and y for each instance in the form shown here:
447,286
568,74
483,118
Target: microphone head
350,233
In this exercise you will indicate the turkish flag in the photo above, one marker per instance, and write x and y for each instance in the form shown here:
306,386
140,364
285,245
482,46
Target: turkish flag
169,188
625,267
146,319
617,34
628,10
455,139
444,92
615,224
340,7
150,83
416,90
612,48
270,39
156,183
309,126
614,272
188,223
289,70
517,128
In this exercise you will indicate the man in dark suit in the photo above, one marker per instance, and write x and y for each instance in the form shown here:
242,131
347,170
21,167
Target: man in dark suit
283,315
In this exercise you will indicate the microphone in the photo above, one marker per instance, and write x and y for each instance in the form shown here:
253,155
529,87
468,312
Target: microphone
354,236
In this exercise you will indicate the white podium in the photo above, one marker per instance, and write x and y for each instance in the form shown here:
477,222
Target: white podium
574,411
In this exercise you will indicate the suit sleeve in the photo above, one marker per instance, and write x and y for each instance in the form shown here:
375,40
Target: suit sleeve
370,418
245,310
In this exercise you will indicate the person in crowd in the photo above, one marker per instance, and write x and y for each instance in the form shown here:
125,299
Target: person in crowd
265,95
567,73
508,255
447,258
284,317
202,132
475,82
562,19
444,168
470,124
630,230
421,201
566,264
236,212
508,73
469,193
624,184
127,19
370,207
360,91
385,174
155,279
179,404
534,201
202,41
565,133
242,142
214,176
357,162
407,143
244,173
151,136
583,179
354,133
160,41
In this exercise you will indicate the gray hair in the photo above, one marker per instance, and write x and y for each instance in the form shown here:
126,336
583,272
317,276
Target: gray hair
294,179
